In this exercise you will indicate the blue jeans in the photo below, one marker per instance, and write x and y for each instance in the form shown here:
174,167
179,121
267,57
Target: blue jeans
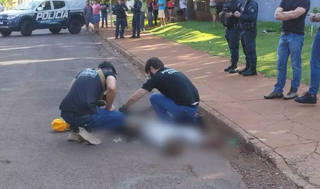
111,120
315,65
120,23
162,105
142,17
150,19
104,16
290,44
233,38
136,24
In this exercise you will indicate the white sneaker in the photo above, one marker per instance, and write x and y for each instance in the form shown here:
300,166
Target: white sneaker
73,136
89,137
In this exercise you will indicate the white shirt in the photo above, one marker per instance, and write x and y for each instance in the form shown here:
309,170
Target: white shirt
182,4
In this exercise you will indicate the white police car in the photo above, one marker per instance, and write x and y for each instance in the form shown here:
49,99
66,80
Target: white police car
54,15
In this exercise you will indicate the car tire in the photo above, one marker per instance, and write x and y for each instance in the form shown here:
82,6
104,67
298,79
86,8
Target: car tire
74,26
5,33
55,30
26,28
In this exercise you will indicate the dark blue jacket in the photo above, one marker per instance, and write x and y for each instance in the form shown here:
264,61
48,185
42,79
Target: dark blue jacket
137,7
119,11
249,11
231,6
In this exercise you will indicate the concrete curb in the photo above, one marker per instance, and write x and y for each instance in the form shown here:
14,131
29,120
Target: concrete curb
213,116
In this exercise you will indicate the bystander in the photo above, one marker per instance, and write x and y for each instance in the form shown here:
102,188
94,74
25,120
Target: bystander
292,15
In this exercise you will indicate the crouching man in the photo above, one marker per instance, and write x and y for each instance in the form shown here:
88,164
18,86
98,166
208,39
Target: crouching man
179,96
80,107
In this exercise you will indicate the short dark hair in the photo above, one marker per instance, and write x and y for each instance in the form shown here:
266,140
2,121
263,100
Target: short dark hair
107,66
154,62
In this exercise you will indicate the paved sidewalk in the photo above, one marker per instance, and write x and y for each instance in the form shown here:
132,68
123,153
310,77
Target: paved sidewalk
286,132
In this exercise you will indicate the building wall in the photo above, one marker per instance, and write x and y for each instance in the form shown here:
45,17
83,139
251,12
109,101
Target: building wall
267,8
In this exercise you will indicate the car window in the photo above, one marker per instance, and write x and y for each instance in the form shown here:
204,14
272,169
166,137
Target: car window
45,5
58,4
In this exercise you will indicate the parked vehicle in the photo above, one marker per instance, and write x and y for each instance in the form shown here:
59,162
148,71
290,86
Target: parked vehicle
54,15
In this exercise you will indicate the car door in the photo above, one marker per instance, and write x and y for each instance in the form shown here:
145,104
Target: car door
45,15
60,13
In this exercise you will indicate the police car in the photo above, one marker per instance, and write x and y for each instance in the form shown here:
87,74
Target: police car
54,15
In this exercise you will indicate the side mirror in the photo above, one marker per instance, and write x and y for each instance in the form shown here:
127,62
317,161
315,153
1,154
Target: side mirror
40,9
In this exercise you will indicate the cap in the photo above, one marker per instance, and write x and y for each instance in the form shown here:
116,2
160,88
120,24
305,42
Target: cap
59,125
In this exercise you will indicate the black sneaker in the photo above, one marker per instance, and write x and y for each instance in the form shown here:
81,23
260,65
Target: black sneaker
122,37
233,70
132,37
290,95
243,70
273,95
116,38
307,99
228,68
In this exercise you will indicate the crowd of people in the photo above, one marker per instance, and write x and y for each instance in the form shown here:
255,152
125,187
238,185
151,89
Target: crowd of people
153,10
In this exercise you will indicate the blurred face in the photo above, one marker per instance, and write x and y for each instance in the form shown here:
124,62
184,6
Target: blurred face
87,3
94,2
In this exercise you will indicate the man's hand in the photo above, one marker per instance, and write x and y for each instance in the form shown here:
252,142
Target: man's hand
228,14
124,110
220,14
237,14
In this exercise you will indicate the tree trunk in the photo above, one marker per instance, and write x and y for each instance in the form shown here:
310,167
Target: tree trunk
190,9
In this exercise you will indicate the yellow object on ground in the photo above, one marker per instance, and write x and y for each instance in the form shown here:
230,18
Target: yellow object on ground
59,125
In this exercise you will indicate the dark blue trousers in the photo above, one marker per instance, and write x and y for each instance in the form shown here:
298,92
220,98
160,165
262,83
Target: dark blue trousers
233,38
136,24
120,25
248,40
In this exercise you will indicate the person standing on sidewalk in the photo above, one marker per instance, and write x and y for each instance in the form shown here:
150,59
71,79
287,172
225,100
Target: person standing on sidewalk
88,14
178,97
144,10
311,96
120,11
292,14
248,24
150,12
96,15
136,10
183,7
80,106
231,23
104,13
170,7
155,11
162,15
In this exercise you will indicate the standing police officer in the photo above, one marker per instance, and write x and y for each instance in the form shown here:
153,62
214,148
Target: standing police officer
136,19
248,24
231,23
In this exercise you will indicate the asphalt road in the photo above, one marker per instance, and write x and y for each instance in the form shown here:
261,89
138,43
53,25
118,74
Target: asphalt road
35,73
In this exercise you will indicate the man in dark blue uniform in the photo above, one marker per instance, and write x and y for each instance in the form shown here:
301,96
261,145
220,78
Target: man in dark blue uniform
136,10
248,24
231,23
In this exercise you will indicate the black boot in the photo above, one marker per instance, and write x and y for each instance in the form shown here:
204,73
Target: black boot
228,68
245,69
252,71
234,68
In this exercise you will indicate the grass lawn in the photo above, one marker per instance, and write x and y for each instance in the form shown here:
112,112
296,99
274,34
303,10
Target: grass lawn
204,37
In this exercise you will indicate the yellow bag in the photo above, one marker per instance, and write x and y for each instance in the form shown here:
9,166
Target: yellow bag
59,125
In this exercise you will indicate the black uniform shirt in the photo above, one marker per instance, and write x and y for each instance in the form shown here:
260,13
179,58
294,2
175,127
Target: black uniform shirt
85,93
174,85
